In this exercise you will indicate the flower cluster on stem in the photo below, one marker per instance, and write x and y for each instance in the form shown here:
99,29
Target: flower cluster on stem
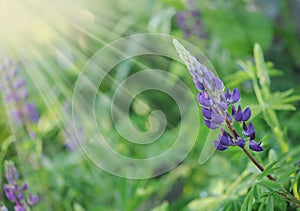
17,193
15,95
219,107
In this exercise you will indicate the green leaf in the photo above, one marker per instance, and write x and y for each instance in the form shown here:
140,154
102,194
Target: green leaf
256,192
261,70
285,107
248,202
270,203
237,78
270,185
292,99
268,170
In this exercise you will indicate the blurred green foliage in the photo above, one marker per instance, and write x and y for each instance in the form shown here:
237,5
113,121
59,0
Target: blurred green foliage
68,180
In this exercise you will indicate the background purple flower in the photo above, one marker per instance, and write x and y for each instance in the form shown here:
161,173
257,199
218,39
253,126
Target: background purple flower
16,193
15,96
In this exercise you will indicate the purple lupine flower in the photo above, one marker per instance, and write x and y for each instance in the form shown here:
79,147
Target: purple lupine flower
15,95
215,103
15,193
189,21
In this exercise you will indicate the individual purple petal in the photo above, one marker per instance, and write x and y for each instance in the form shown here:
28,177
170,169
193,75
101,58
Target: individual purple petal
33,199
203,99
18,83
218,83
235,96
15,185
223,105
31,112
250,131
210,124
20,195
207,84
25,186
238,116
206,113
246,114
9,193
19,207
233,110
225,140
228,94
255,146
240,142
217,118
244,126
220,146
199,86
203,68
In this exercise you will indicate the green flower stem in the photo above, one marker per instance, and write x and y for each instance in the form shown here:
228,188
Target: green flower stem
258,165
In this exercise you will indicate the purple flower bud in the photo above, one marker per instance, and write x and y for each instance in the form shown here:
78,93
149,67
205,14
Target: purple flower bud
20,196
217,118
203,99
18,83
223,105
255,146
15,185
240,142
33,199
233,110
31,112
246,114
233,97
206,113
19,207
199,86
25,186
218,84
249,131
9,192
220,146
210,124
238,116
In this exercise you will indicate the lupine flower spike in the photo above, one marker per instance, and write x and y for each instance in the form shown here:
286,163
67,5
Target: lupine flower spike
216,104
15,95
17,193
